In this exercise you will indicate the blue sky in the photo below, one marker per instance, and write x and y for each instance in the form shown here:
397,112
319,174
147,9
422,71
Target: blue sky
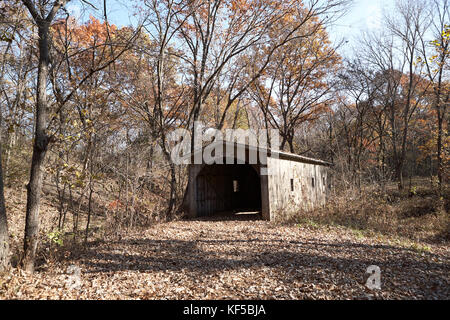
364,15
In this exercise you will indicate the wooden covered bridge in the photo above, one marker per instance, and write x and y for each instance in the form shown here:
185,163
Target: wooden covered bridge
275,183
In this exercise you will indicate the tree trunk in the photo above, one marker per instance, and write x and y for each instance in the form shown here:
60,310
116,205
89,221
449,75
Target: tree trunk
86,234
9,146
399,175
291,144
173,180
439,154
41,141
4,240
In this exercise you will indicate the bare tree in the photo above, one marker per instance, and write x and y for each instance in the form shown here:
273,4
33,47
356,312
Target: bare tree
43,14
297,83
435,56
392,56
408,28
42,18
4,236
214,40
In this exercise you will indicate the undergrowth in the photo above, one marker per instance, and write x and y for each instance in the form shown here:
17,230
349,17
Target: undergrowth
418,216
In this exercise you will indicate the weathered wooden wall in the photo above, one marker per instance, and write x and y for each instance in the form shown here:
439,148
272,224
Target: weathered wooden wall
210,187
304,196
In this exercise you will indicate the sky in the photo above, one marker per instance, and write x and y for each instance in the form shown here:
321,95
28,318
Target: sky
364,15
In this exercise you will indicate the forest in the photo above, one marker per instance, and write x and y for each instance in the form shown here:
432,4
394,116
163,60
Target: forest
87,180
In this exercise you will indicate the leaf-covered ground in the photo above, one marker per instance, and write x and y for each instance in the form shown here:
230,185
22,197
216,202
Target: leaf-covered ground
240,259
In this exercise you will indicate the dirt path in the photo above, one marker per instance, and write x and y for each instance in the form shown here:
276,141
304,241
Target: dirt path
246,259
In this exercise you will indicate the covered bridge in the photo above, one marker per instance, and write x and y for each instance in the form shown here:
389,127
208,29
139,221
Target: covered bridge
273,183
